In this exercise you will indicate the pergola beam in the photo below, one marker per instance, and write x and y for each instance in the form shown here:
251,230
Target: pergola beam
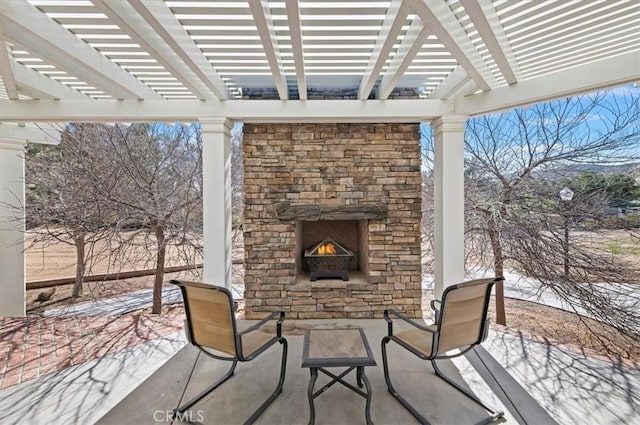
595,76
125,16
415,37
37,86
395,18
451,84
439,19
466,89
485,20
7,71
250,111
29,27
165,24
600,75
42,134
264,24
295,31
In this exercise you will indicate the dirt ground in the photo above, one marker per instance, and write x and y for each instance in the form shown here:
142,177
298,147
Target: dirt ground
560,327
59,260
542,322
620,245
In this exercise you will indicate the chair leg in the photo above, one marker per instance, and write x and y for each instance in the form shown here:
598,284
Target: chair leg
276,393
208,390
495,414
391,388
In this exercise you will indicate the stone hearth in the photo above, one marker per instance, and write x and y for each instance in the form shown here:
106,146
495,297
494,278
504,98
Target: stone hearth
359,184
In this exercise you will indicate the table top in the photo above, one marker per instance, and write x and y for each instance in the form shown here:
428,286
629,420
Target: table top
336,348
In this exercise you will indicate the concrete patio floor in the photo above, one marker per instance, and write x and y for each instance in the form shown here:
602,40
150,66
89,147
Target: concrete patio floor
187,373
534,383
178,381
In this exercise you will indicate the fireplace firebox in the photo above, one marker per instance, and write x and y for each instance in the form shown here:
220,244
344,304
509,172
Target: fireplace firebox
315,241
328,259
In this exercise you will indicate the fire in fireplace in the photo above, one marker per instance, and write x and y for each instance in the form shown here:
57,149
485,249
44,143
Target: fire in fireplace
328,259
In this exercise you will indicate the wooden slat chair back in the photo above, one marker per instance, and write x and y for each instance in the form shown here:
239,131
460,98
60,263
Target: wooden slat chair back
210,312
463,313
211,326
461,325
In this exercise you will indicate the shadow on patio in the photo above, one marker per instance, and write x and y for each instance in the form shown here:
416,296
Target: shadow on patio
189,372
542,380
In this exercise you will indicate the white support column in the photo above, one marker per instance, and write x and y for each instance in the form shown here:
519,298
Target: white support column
12,227
448,201
216,173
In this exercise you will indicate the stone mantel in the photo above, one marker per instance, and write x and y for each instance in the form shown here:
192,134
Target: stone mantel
286,211
303,175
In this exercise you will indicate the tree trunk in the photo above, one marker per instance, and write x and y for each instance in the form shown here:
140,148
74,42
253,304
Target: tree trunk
160,259
498,265
79,240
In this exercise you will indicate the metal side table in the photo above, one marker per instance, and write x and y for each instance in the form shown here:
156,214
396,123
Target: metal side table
326,348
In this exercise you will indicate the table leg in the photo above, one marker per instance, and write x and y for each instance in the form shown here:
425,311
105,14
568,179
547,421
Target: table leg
312,382
359,376
367,410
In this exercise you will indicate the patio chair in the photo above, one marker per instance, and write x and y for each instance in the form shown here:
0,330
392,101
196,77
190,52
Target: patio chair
460,324
211,325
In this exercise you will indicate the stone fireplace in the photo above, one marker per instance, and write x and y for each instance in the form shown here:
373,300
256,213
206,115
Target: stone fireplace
356,184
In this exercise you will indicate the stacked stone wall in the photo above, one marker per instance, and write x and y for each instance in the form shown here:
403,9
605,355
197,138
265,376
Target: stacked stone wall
332,165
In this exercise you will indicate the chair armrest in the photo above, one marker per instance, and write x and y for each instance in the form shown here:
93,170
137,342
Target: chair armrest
436,309
403,318
485,331
263,322
279,325
187,331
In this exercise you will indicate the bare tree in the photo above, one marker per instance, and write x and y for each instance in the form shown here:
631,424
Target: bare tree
61,204
137,188
237,175
514,162
152,179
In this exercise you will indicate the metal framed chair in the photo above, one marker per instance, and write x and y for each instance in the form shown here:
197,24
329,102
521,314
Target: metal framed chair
211,325
461,324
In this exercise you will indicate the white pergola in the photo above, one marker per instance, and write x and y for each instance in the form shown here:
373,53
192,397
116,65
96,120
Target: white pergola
182,61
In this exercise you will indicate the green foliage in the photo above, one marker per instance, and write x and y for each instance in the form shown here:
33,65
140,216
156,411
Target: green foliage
586,183
615,248
621,187
617,187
